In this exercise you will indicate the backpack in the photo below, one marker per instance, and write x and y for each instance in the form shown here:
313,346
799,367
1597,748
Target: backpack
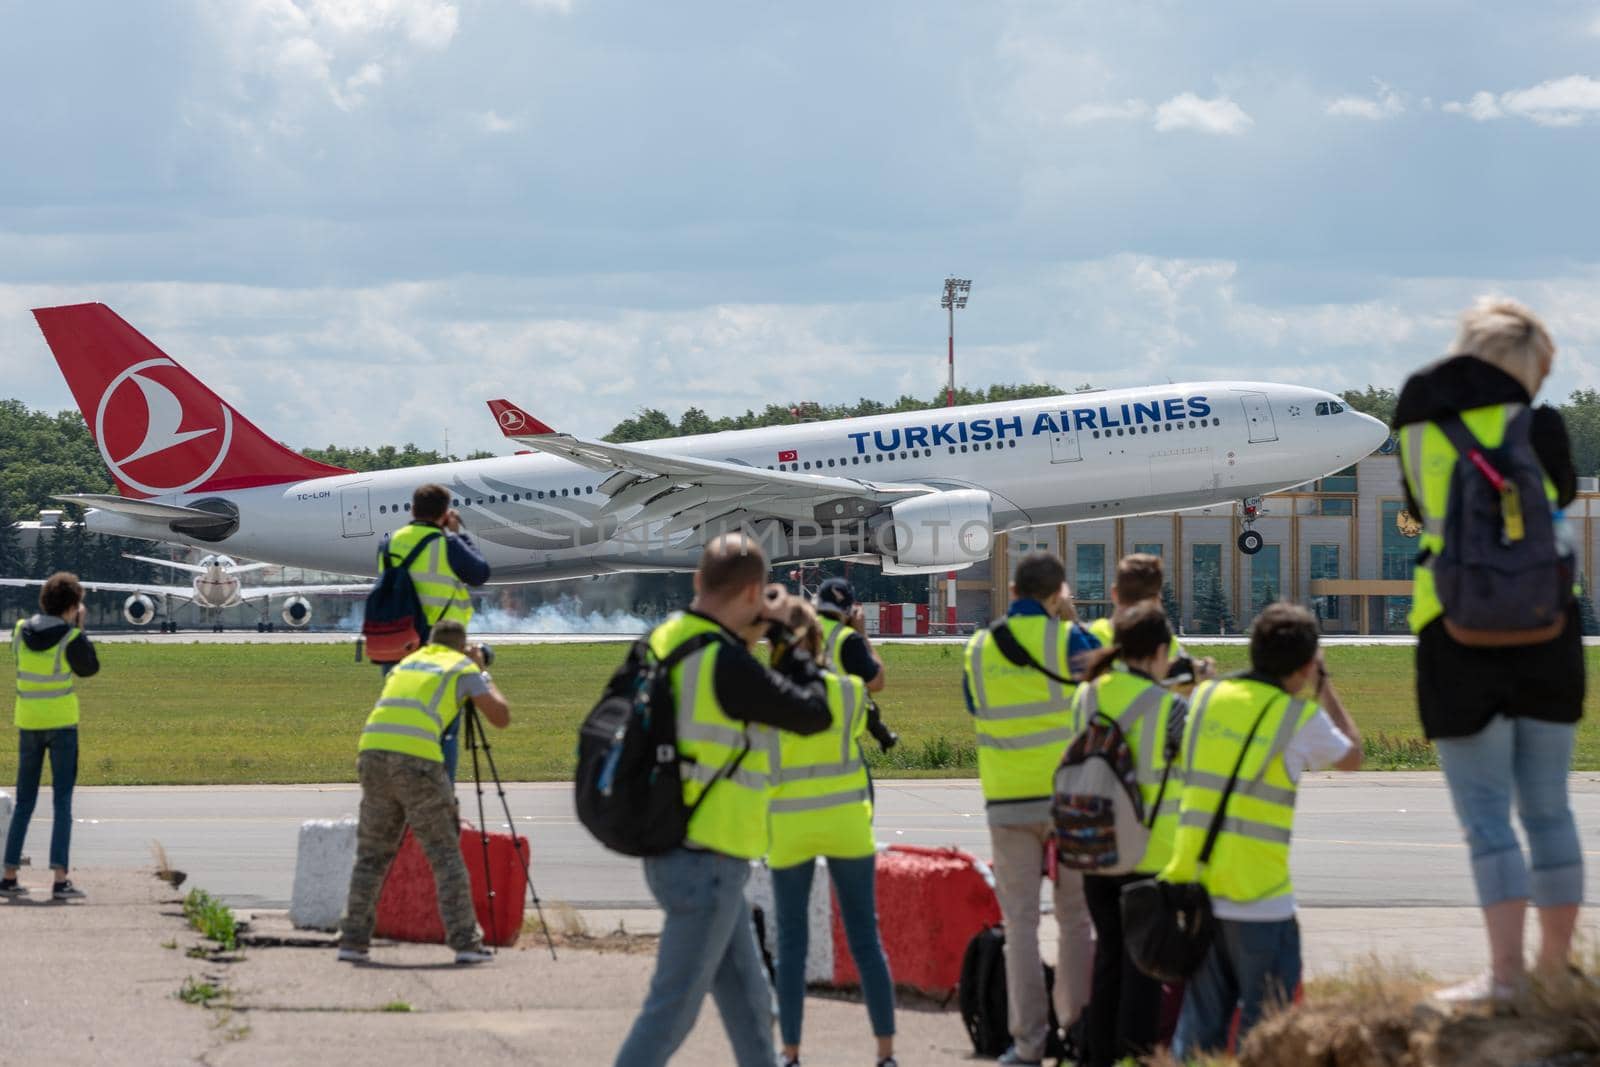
628,789
982,995
394,625
1101,826
1502,578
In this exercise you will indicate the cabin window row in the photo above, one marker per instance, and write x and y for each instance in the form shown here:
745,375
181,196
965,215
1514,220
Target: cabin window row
504,498
1130,431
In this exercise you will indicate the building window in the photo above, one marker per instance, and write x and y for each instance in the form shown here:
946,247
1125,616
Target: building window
1209,597
1155,550
1089,580
1399,551
1325,565
1266,577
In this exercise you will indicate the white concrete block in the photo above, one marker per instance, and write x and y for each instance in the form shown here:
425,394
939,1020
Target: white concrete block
819,920
324,860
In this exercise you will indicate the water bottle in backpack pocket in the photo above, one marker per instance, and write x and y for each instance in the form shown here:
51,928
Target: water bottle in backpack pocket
1502,576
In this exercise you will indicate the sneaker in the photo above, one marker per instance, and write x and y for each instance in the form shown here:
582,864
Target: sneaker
10,888
352,954
888,1061
65,890
1015,1059
474,955
1480,991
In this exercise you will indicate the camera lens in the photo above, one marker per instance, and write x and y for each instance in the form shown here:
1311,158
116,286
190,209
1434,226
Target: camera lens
488,654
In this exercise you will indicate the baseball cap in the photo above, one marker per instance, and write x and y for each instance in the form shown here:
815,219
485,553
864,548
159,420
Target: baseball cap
836,595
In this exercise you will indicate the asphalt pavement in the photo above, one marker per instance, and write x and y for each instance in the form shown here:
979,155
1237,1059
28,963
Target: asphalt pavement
1370,840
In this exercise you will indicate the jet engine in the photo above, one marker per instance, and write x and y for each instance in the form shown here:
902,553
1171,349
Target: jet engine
297,612
139,610
939,531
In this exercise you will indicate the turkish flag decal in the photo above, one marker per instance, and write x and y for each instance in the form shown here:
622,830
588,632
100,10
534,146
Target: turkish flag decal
788,455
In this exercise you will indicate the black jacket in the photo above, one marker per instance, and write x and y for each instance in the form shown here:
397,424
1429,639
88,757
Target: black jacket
45,631
791,697
1459,689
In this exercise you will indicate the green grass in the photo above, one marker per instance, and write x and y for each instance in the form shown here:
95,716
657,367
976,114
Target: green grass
212,918
198,992
199,714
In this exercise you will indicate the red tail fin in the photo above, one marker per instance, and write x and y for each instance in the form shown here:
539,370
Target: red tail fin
159,429
514,422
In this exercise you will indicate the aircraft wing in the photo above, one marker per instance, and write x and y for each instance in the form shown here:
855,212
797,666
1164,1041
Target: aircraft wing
734,484
189,568
260,591
174,592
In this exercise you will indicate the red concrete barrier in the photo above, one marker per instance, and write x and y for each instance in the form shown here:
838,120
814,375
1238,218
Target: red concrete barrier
408,907
931,902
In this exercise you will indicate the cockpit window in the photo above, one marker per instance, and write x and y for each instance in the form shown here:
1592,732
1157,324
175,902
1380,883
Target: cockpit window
1335,406
1322,408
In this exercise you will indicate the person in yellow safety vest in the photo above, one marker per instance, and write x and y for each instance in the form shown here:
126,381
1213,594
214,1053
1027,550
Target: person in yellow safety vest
441,574
846,649
403,783
822,806
51,650
1139,577
1503,720
730,707
1255,957
1021,706
1124,1017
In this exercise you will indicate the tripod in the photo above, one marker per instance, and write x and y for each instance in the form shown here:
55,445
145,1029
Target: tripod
475,737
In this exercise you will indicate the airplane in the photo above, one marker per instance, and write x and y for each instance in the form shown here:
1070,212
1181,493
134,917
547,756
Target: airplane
914,492
216,586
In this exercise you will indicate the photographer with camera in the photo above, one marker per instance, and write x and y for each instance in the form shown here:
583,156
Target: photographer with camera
1139,578
822,806
847,650
730,707
404,783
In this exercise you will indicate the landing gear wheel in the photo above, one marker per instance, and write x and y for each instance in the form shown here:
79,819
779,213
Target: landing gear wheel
261,627
1250,542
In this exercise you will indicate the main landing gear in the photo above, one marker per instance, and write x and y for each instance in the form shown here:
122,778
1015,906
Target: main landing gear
1250,541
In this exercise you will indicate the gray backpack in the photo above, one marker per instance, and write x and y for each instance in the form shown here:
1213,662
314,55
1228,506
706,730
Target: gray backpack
1502,578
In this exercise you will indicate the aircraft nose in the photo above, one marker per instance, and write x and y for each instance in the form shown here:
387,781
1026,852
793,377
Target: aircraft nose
1368,434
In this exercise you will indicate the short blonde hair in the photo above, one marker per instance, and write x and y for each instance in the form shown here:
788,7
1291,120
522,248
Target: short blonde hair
1508,335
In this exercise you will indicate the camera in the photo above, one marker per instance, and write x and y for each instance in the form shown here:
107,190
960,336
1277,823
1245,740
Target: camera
880,731
487,651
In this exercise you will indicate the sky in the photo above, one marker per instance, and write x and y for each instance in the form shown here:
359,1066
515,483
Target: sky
358,219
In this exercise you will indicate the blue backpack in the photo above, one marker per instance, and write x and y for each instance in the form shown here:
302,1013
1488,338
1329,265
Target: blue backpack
394,625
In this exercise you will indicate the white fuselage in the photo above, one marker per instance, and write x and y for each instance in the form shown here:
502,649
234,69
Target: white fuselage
217,586
1044,461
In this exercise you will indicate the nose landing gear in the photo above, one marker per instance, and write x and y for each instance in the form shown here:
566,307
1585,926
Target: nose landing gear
1250,541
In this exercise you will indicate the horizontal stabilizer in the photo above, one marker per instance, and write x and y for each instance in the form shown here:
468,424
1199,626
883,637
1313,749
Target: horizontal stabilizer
138,509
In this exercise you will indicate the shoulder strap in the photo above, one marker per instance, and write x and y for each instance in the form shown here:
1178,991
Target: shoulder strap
685,650
1012,650
1233,780
1461,439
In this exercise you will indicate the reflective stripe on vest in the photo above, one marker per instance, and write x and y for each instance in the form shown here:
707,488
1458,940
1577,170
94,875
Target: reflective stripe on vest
443,595
834,632
1023,717
1250,861
47,698
732,819
822,805
413,710
1428,461
1143,712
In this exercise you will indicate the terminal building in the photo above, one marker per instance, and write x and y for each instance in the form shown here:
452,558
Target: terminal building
1342,545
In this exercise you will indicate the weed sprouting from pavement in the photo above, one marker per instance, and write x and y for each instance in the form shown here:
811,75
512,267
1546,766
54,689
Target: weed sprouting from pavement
396,1006
194,991
212,918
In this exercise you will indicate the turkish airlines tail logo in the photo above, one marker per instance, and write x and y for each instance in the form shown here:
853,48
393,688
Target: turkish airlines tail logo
159,429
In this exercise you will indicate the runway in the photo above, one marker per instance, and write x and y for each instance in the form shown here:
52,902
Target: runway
1364,840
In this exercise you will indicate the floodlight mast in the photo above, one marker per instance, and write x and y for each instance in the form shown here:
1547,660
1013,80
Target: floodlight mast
956,291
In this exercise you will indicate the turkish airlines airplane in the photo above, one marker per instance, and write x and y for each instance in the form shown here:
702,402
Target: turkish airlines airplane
216,586
915,492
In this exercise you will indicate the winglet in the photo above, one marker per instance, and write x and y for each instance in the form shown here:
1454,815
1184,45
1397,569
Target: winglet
514,422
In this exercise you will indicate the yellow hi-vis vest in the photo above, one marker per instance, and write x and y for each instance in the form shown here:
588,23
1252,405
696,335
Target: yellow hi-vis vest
1143,712
1429,459
834,632
1251,859
443,595
46,699
419,700
822,805
732,819
1023,717
1105,631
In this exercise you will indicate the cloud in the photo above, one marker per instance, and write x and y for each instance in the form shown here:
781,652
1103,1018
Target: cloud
493,122
1186,111
1568,101
1384,104
1129,109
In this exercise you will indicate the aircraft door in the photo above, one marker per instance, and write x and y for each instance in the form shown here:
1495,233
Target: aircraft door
357,507
1258,412
1064,447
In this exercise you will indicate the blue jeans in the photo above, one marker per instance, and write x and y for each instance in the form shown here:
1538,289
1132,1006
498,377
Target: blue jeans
708,944
1250,966
856,883
62,744
1529,759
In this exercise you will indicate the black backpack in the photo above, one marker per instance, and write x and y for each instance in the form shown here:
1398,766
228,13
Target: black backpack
1502,578
628,789
393,625
982,996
